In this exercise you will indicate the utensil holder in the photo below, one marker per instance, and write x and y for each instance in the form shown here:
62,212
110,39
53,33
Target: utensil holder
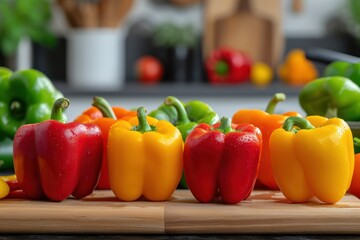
95,59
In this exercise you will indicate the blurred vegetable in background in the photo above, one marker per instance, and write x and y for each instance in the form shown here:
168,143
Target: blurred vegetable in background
344,69
149,70
228,66
261,74
331,97
24,18
336,68
175,46
172,35
297,69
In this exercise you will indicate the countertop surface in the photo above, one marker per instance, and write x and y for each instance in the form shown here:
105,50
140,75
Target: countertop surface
264,212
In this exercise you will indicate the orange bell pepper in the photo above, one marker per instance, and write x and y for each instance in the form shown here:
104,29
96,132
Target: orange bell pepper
297,70
104,116
145,158
355,183
93,113
267,122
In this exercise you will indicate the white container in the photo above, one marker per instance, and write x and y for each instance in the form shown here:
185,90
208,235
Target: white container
95,59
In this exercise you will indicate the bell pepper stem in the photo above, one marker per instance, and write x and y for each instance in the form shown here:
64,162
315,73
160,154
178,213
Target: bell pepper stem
59,106
222,68
143,124
104,107
182,115
225,125
278,97
294,123
356,142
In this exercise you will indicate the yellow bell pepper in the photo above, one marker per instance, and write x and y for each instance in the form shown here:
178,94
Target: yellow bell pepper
313,157
144,158
4,189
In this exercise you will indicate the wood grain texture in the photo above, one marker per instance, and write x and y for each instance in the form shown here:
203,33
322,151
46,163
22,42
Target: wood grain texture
263,212
99,213
102,213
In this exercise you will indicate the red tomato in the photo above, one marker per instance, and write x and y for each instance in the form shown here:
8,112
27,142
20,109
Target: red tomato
149,70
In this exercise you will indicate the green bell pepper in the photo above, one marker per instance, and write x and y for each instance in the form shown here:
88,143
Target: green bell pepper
353,73
185,116
6,154
344,69
165,112
331,97
336,68
26,96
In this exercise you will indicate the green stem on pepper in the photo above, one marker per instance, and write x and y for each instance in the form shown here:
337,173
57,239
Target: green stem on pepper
225,125
278,97
104,107
222,68
143,126
59,106
182,115
292,124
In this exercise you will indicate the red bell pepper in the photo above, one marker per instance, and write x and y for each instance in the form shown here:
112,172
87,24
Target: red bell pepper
55,160
228,66
223,157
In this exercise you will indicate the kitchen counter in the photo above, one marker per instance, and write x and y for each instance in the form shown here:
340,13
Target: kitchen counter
101,215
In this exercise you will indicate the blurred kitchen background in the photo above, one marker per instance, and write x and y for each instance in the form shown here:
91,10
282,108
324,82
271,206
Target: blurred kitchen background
137,52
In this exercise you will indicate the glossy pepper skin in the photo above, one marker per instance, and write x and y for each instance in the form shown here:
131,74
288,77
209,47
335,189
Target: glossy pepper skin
104,116
331,96
27,97
54,160
228,66
4,189
267,122
313,157
145,158
222,157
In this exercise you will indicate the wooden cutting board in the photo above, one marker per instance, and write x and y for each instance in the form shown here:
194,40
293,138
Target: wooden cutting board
263,212
251,26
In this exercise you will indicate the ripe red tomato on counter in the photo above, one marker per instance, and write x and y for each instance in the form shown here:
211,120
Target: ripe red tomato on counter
149,70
